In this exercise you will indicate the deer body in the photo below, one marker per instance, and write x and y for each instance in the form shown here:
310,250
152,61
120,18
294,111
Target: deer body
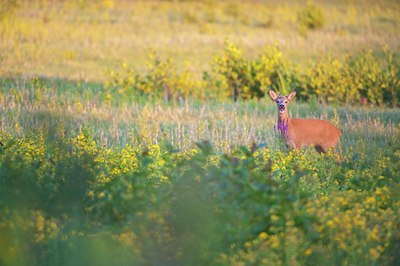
300,133
311,132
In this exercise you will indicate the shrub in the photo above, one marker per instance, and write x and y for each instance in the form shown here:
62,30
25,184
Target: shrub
70,197
310,17
361,78
240,78
364,78
326,80
160,81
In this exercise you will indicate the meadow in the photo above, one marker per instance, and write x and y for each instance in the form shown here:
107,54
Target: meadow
190,183
139,133
78,39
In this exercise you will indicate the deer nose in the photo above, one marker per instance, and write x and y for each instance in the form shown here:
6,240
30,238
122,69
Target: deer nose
281,106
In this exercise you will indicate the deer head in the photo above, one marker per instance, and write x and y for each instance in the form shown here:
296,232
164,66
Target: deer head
282,101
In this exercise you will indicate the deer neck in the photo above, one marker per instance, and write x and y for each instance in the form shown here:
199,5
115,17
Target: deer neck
283,123
283,118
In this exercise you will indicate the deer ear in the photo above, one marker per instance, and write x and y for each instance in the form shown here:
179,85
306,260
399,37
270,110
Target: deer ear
273,95
291,95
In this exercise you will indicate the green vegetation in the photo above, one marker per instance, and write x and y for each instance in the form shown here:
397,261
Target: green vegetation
137,133
86,182
310,17
363,78
69,200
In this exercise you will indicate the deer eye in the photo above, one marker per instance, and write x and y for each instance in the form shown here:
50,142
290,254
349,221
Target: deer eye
277,101
285,101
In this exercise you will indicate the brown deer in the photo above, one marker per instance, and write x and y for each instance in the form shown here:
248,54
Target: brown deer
300,133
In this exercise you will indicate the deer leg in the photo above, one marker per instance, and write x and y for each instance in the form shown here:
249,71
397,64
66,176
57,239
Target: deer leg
319,149
291,145
326,148
338,151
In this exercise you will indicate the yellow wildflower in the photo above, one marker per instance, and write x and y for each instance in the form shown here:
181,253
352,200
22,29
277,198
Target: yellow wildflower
374,253
274,240
308,252
263,235
330,223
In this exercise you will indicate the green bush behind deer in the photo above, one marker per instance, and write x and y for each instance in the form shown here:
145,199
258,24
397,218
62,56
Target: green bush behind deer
365,78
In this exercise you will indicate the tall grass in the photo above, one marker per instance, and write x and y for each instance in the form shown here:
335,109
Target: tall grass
66,108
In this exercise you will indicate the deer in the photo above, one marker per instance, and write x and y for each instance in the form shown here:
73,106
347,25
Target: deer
299,133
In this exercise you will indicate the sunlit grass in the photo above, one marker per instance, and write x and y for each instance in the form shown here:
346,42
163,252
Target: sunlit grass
77,41
66,108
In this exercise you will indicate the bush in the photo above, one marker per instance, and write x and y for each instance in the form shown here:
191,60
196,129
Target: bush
240,78
70,199
364,78
310,17
160,81
360,79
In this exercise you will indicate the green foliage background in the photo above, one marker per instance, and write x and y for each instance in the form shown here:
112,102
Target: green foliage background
362,78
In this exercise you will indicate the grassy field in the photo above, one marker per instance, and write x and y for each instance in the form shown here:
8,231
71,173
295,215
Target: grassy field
79,39
66,108
151,162
191,183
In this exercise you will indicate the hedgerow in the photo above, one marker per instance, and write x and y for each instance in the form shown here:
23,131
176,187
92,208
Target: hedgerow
362,79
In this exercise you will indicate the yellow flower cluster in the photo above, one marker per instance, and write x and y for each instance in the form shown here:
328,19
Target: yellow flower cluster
269,249
45,228
358,222
297,206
